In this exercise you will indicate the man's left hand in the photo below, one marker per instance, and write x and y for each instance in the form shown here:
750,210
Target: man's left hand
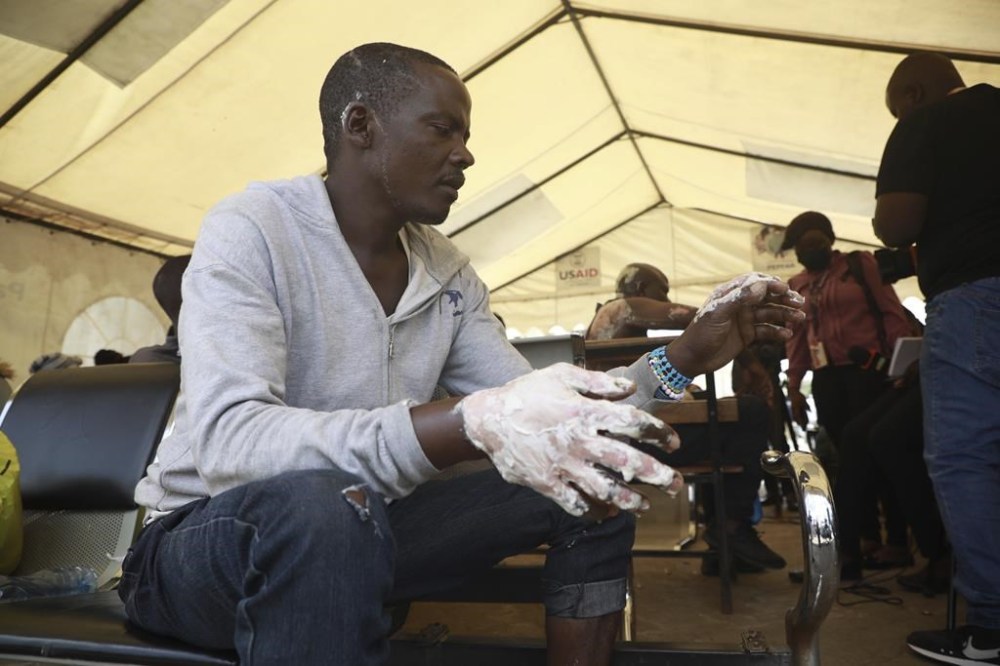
749,308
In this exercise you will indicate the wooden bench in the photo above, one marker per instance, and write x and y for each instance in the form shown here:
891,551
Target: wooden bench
710,411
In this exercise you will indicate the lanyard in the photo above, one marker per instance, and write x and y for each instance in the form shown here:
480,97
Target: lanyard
815,293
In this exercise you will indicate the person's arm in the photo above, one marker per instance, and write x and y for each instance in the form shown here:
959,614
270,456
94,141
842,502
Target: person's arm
905,177
899,218
649,313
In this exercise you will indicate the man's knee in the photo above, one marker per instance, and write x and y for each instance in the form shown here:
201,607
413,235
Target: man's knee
313,499
617,531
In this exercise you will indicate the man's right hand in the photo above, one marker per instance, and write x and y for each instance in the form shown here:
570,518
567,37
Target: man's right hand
800,408
553,430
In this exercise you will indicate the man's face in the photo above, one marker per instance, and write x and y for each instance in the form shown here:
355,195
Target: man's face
422,152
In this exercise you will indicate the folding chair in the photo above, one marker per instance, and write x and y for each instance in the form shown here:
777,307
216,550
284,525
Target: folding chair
84,437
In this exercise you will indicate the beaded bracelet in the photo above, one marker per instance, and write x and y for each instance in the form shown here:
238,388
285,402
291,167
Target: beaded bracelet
672,382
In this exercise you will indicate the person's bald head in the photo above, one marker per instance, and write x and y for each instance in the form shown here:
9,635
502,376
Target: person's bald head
920,79
642,280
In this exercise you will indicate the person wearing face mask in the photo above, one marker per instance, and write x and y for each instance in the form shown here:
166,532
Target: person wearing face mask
852,322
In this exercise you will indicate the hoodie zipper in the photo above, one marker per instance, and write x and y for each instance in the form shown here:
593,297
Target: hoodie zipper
388,365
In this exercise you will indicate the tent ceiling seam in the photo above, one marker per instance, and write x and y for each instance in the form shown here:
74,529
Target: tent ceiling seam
752,156
76,216
611,95
790,36
640,214
78,52
768,224
514,44
593,239
97,238
539,184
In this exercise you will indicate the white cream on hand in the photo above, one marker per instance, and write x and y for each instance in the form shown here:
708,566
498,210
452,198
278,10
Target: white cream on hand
540,431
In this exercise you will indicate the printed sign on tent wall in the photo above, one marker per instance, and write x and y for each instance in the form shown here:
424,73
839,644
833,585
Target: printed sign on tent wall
579,270
765,244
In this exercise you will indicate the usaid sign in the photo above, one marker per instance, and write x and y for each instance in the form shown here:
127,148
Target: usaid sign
579,270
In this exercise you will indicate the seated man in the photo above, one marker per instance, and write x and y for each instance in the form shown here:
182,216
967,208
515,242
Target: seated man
642,304
167,290
289,506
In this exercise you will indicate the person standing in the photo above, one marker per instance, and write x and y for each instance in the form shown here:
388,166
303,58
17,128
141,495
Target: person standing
852,320
938,187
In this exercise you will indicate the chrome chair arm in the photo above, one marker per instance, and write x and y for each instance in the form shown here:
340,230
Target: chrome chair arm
819,546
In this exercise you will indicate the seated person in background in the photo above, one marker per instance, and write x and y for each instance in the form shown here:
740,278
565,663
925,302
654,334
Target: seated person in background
891,435
167,290
640,304
319,315
757,371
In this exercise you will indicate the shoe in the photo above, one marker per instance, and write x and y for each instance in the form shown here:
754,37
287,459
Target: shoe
966,645
746,545
711,566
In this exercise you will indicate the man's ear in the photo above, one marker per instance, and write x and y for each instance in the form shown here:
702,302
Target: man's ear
357,123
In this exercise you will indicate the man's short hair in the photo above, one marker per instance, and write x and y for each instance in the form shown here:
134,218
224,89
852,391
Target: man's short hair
379,74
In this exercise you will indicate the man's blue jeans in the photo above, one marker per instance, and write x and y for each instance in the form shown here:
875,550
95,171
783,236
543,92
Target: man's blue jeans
960,380
297,569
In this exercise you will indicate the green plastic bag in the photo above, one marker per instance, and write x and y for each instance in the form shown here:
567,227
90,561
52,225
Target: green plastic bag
10,507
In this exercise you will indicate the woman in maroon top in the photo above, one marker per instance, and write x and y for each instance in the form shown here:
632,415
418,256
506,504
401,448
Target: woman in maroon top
848,334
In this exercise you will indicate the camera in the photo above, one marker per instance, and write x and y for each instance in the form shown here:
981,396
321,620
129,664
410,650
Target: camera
894,265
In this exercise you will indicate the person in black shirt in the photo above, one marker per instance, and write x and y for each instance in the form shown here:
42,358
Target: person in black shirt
939,187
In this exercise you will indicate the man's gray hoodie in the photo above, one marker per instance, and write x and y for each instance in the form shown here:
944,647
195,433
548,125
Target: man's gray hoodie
289,361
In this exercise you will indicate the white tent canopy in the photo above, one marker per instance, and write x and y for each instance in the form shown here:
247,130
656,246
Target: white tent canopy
662,131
